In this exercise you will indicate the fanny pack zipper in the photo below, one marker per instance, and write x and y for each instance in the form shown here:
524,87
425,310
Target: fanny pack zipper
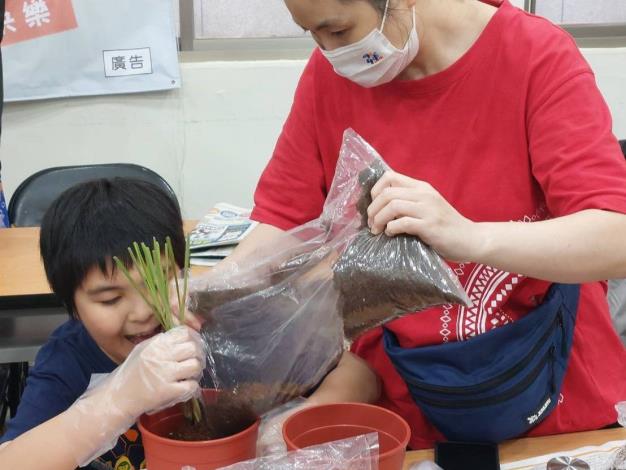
504,396
504,376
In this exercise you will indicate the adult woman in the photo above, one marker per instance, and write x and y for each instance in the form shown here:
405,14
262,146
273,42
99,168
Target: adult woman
491,119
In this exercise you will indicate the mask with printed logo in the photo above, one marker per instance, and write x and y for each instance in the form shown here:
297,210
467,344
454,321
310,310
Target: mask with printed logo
373,60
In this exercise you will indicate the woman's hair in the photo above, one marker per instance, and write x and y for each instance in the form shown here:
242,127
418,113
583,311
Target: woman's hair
377,4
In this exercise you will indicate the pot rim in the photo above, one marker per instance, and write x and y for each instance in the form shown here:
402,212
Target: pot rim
401,445
207,443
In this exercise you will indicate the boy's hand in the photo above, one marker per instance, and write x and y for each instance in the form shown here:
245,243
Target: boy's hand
191,320
157,374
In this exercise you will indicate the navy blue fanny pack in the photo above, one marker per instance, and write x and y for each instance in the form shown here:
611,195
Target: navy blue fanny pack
499,384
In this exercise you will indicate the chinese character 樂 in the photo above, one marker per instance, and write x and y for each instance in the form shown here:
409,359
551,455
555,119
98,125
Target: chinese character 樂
36,13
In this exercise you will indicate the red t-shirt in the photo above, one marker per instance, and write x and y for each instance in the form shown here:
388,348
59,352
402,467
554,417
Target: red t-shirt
515,130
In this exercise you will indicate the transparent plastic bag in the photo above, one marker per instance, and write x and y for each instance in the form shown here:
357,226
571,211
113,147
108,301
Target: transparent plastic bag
274,326
355,453
621,413
270,439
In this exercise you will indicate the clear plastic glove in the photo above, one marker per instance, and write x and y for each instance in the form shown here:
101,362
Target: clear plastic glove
188,318
157,374
270,440
621,413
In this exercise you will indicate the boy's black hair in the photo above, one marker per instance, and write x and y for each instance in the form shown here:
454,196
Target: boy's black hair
91,222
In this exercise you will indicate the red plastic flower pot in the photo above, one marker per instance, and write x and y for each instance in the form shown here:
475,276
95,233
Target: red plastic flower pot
327,423
163,453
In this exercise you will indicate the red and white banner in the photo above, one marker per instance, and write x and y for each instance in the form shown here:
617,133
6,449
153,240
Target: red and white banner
29,19
58,48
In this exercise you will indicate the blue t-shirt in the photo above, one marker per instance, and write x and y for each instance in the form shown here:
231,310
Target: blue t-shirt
62,372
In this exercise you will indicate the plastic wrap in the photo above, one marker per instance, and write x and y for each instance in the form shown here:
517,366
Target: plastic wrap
157,374
621,413
275,325
271,439
355,453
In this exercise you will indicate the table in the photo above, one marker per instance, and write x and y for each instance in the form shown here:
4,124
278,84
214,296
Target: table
28,310
519,449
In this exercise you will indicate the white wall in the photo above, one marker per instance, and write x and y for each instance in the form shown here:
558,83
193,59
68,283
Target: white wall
583,11
210,140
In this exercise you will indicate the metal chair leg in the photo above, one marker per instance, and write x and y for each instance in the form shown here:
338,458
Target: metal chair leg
17,381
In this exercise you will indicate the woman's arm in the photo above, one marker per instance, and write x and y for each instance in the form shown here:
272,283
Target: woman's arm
582,247
256,240
352,380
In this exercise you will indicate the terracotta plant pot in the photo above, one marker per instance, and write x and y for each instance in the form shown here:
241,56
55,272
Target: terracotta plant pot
327,423
163,453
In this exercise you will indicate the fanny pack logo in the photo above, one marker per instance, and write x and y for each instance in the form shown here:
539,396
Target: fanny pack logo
535,417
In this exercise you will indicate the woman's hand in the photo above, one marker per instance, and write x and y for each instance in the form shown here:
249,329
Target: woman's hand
404,205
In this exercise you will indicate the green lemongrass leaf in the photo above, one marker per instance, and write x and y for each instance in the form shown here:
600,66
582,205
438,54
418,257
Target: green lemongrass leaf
164,269
167,276
142,266
181,307
154,270
152,284
163,277
185,276
154,288
135,255
132,282
196,410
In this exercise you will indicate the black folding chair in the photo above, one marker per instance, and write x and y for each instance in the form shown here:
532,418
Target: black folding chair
32,198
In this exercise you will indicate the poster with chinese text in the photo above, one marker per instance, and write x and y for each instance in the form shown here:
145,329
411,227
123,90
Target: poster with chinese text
60,48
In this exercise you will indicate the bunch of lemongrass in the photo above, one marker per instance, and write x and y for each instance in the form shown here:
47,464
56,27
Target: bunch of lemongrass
155,268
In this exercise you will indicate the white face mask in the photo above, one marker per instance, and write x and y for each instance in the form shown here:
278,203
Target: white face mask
373,60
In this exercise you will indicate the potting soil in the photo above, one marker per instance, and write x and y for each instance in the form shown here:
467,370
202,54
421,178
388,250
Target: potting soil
227,416
381,278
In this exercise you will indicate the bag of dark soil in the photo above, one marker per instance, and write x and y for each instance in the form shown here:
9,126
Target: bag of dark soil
381,278
277,323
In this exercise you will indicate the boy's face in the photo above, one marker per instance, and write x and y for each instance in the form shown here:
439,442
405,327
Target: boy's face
114,313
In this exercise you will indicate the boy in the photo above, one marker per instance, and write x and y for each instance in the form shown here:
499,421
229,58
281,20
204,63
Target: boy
60,422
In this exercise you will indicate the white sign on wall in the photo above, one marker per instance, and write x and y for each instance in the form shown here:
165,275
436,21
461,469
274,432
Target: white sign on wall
59,48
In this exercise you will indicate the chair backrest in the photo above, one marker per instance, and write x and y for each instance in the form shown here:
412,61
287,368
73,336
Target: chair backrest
34,195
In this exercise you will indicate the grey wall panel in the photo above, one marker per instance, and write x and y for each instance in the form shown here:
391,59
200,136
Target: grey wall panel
243,19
